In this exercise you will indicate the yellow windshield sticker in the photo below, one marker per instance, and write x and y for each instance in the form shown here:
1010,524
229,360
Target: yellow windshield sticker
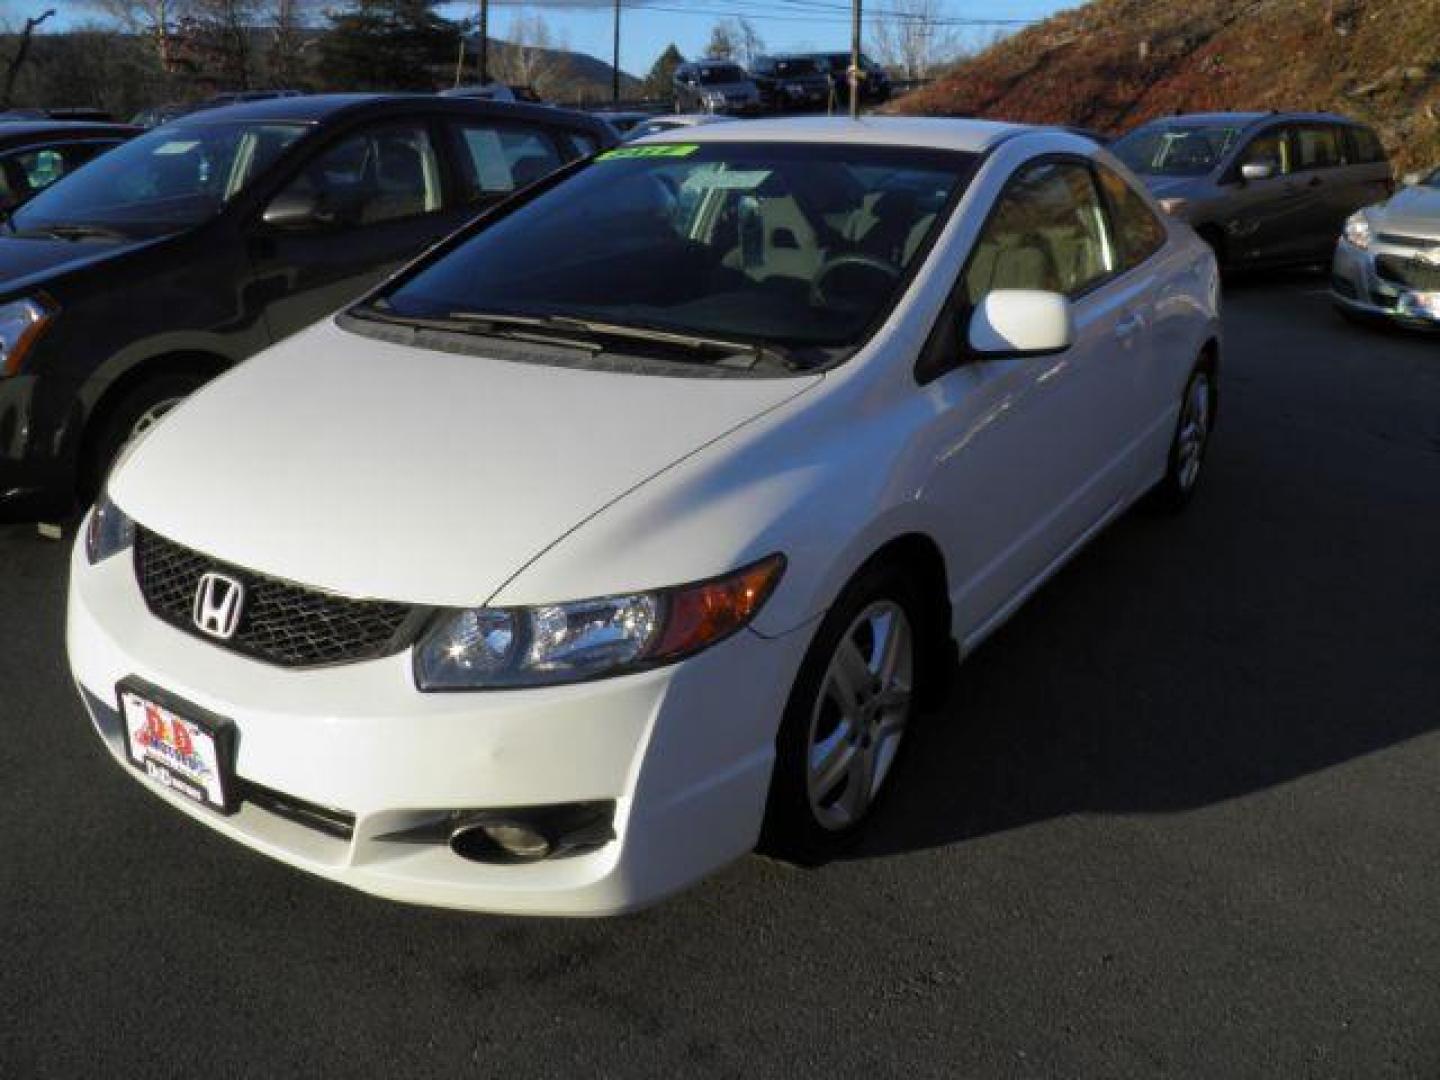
661,150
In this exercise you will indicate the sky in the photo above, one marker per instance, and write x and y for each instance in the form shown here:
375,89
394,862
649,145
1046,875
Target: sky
647,26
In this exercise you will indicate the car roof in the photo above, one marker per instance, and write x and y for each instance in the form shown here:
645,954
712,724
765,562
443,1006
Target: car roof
1248,118
318,108
933,132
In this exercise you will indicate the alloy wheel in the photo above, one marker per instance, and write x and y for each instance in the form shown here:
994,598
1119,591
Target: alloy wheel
860,715
1194,430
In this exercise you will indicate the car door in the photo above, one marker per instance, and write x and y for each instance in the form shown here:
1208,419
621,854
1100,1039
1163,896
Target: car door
377,196
1319,183
1030,451
1261,216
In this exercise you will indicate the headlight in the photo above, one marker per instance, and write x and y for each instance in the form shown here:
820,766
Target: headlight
495,648
1174,207
21,322
1357,230
109,531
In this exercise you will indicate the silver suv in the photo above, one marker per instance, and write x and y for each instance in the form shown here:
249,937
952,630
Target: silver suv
1263,189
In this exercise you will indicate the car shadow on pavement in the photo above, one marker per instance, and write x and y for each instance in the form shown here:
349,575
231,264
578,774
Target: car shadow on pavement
1282,626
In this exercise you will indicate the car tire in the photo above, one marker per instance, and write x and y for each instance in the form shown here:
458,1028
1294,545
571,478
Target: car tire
131,416
843,727
1186,460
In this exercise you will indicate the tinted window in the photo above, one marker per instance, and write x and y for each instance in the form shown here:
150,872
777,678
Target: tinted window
1318,147
170,178
793,68
1269,148
1047,232
1367,148
713,74
1138,232
379,174
496,159
794,245
1176,149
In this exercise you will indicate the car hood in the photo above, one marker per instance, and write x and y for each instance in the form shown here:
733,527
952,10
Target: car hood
26,262
385,471
1411,211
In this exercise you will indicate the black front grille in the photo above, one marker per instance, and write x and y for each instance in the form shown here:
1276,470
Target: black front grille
1409,273
281,622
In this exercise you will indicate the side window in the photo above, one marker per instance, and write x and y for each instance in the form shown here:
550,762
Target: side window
1317,146
1366,146
1268,148
1047,232
1138,232
375,175
497,159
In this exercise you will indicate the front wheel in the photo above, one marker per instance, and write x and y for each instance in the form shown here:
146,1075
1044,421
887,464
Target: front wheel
848,713
1187,448
133,415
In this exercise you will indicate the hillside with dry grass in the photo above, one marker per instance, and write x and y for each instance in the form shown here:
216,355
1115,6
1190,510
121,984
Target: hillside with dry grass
1113,63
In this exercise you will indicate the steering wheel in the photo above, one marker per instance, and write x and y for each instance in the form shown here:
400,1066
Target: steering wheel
820,293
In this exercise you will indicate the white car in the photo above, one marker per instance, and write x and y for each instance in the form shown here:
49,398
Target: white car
630,526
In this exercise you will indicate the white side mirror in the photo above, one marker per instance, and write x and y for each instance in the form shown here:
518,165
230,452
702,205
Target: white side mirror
1257,170
1022,322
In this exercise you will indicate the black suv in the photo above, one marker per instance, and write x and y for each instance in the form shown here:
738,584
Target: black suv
875,85
36,153
792,82
187,249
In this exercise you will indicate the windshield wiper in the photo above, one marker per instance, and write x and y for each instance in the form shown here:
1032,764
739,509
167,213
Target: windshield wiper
742,355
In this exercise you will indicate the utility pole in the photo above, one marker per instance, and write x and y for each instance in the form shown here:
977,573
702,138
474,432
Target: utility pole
615,60
854,71
484,42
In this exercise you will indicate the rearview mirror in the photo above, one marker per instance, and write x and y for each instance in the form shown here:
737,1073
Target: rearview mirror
292,210
1257,170
1021,322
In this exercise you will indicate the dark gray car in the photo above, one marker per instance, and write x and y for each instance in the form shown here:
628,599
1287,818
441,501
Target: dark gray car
1264,189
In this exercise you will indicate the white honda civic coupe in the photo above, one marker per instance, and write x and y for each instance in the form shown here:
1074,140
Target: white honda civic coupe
631,526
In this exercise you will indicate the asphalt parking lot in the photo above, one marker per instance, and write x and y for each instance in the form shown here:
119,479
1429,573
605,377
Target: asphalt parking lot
1179,818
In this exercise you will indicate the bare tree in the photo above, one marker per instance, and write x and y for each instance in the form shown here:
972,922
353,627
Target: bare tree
722,44
741,39
534,56
22,50
913,38
157,20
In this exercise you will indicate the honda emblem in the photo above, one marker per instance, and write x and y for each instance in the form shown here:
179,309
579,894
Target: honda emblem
219,601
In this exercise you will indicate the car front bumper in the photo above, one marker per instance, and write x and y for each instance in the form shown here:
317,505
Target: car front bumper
684,752
1384,281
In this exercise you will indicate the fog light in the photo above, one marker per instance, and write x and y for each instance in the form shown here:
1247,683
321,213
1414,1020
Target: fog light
519,840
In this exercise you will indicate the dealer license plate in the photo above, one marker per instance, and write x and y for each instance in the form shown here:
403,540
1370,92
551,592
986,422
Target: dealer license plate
178,747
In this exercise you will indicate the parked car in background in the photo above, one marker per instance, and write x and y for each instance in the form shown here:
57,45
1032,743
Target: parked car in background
635,522
654,125
187,249
495,91
1262,189
792,81
76,113
1387,264
36,153
714,86
874,80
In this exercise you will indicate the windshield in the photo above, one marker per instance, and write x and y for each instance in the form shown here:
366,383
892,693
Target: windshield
716,74
168,179
797,246
1176,149
792,68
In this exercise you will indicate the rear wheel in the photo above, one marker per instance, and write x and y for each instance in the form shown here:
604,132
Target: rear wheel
132,416
848,713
